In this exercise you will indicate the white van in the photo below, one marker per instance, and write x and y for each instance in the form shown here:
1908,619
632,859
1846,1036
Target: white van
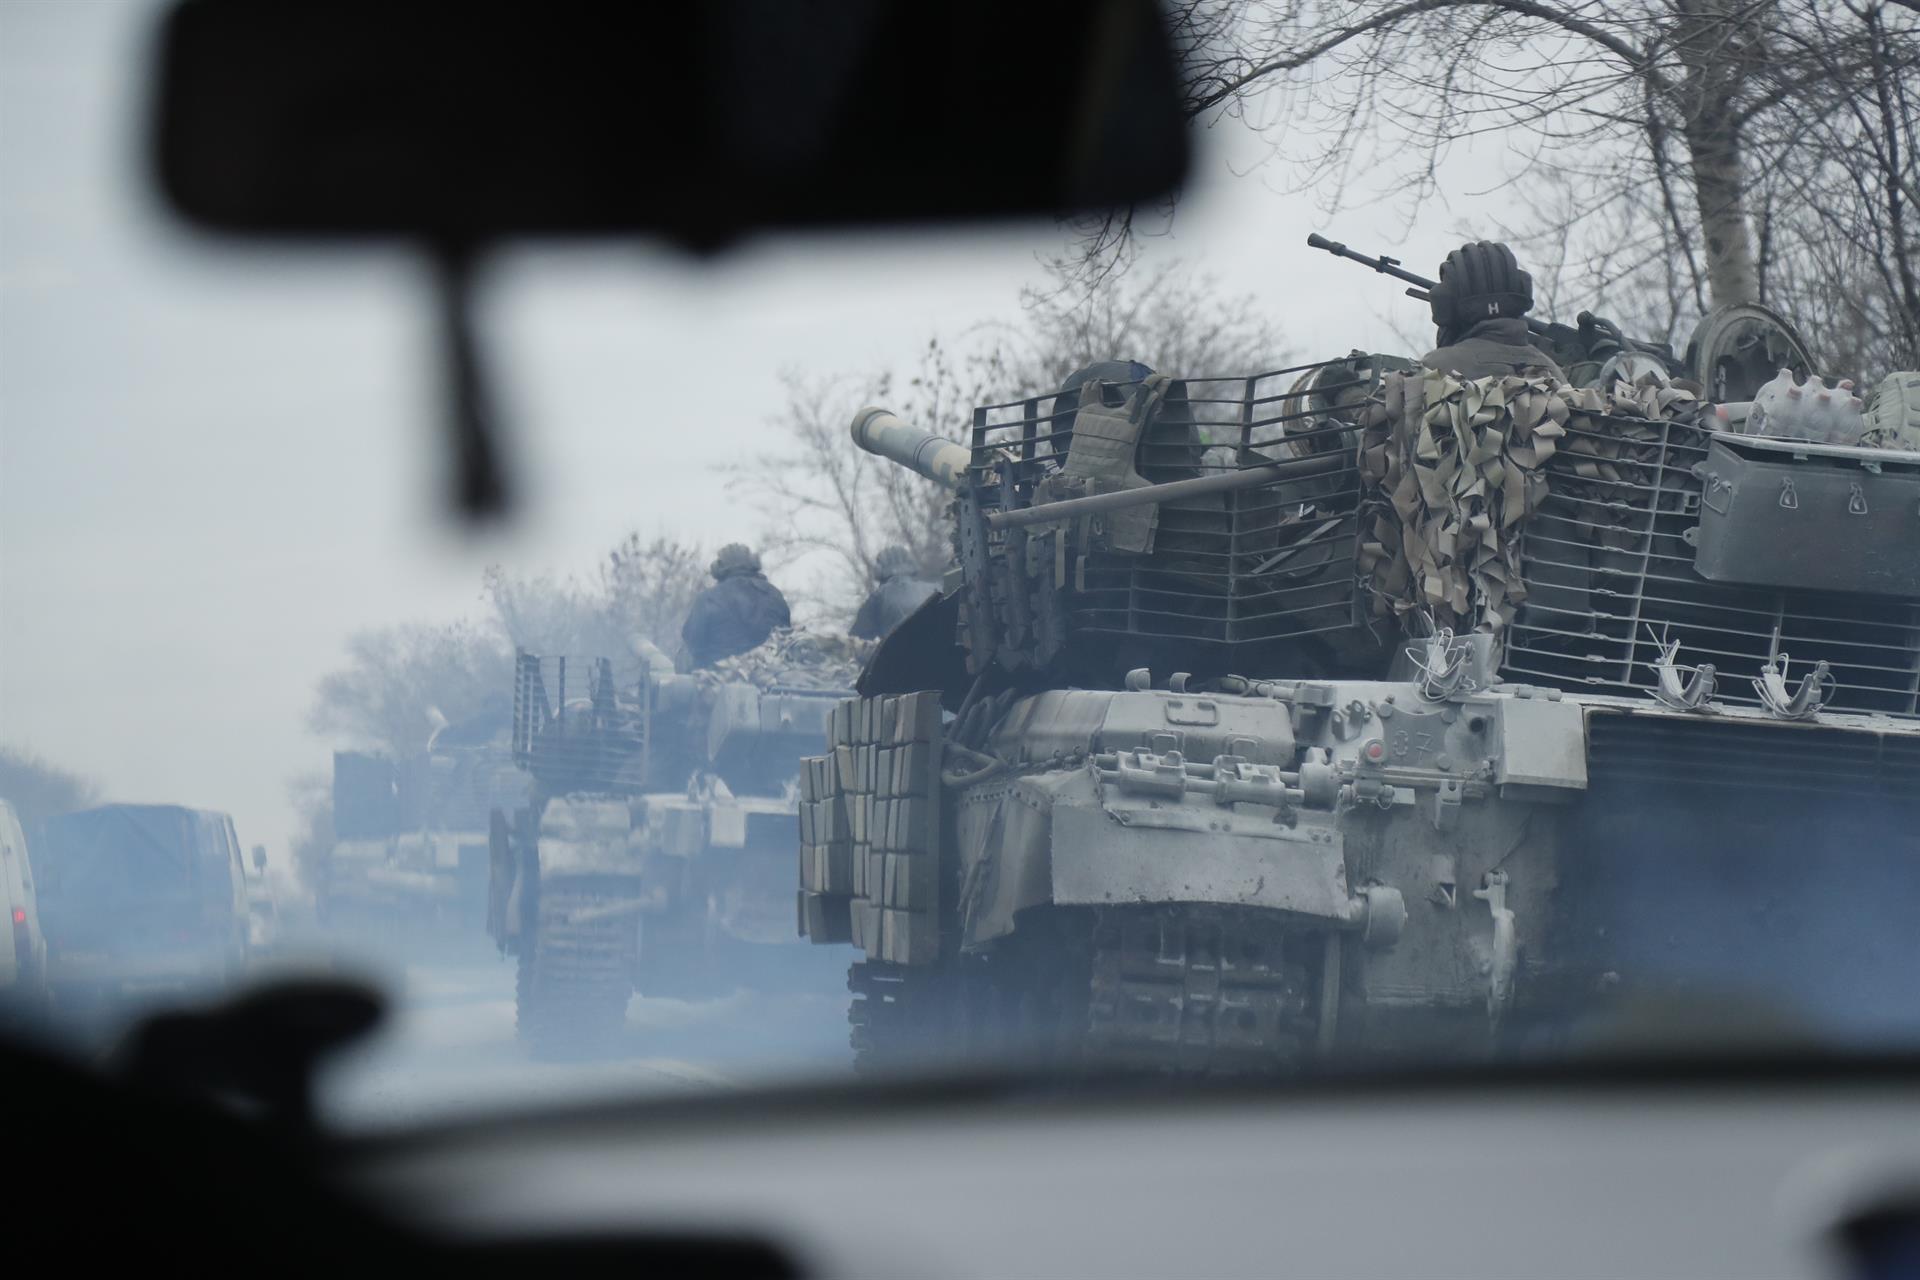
23,965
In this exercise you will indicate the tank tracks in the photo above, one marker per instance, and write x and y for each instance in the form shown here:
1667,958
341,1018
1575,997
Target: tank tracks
1185,992
894,1016
574,981
1196,993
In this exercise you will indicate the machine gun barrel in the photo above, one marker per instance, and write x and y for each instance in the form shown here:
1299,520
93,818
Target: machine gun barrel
1392,267
937,458
1382,264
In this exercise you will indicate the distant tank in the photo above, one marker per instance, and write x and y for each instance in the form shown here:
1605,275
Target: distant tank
655,850
409,865
1222,755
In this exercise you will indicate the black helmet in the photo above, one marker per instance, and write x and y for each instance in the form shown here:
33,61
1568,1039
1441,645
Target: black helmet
1479,282
734,558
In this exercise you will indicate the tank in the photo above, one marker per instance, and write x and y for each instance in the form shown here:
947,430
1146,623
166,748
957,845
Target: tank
408,869
654,853
1347,710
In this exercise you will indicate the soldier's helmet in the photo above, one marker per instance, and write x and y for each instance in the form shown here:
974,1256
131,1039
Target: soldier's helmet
735,558
894,561
1480,281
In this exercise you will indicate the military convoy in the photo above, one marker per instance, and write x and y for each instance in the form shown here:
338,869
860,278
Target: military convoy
655,852
1368,706
1359,708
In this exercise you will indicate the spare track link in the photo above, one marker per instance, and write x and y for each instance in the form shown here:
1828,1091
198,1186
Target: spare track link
575,980
1196,992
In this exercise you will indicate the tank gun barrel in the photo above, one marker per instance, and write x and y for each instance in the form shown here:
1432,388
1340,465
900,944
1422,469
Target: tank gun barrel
937,458
945,463
1120,499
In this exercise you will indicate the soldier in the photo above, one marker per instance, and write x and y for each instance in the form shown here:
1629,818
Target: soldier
901,591
1480,306
737,612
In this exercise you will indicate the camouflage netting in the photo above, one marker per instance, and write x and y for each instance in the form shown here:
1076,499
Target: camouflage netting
1645,445
1454,467
795,658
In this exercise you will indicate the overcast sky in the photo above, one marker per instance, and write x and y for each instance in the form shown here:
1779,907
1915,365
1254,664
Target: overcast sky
215,465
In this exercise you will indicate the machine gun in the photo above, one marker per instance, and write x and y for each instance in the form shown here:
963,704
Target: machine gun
1388,266
1589,340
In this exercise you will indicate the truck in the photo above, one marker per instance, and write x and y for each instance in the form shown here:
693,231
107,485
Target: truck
653,853
1353,709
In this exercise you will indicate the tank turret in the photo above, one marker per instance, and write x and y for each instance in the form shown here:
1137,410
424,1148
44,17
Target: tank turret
1190,522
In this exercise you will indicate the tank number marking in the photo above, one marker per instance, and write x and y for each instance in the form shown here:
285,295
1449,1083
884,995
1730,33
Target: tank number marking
1409,742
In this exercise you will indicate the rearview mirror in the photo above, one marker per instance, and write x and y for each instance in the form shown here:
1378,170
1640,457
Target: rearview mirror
460,126
699,122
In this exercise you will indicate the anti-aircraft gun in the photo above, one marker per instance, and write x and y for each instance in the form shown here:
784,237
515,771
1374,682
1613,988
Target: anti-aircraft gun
1268,717
654,852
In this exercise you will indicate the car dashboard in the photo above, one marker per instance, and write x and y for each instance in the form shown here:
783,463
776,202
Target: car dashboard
1588,1174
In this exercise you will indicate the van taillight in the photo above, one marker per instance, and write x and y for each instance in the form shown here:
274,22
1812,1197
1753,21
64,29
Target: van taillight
22,942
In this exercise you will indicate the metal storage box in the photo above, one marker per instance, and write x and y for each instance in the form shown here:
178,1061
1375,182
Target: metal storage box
1786,513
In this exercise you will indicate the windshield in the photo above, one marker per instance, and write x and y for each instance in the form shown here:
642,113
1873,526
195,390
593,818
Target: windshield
1526,670
126,852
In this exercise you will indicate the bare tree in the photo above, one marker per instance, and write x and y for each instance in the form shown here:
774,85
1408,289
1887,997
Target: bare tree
38,790
311,795
1830,203
1667,118
641,590
1839,233
1172,319
825,500
401,683
649,585
822,498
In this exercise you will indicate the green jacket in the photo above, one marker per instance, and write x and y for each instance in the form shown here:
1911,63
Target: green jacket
1491,348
